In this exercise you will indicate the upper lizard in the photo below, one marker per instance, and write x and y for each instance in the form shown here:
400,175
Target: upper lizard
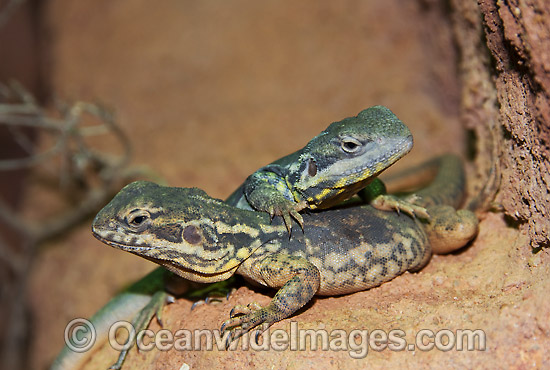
336,164
341,250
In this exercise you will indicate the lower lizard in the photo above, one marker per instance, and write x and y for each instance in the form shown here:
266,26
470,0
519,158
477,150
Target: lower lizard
337,163
342,250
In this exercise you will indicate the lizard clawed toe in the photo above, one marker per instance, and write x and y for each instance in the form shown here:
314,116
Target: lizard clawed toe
242,319
288,222
413,209
288,210
243,310
392,203
212,298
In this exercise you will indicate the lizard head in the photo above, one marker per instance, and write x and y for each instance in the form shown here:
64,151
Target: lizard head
191,234
348,154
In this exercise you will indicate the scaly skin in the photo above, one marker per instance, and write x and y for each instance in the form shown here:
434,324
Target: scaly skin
125,306
205,240
332,167
447,230
341,250
325,240
344,158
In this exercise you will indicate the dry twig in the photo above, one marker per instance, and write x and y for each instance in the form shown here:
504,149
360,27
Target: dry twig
82,172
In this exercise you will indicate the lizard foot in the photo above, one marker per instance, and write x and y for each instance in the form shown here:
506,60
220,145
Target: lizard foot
406,205
245,318
213,298
288,210
139,323
274,199
211,292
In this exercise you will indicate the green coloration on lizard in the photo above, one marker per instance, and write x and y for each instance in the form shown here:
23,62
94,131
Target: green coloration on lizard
345,157
332,167
341,250
203,239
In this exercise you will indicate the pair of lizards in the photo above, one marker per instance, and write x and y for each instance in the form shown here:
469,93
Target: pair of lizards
343,249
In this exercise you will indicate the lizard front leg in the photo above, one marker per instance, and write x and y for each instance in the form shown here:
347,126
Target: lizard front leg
268,192
375,194
387,202
299,280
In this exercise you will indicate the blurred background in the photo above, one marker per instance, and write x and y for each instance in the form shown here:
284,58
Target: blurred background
95,94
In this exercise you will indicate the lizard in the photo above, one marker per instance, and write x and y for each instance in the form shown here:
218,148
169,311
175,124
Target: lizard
342,160
342,250
331,233
345,158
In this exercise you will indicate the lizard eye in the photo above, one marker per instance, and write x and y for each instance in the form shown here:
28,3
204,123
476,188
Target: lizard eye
350,145
137,218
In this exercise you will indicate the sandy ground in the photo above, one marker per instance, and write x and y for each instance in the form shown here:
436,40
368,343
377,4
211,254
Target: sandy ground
210,91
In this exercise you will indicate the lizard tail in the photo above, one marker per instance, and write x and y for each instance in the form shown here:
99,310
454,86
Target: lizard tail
123,307
448,229
447,187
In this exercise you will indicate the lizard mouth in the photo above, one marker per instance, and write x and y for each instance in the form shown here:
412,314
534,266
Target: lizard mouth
179,262
127,243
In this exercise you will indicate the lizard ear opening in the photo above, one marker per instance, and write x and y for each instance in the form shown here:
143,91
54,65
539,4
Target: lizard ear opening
311,167
191,234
